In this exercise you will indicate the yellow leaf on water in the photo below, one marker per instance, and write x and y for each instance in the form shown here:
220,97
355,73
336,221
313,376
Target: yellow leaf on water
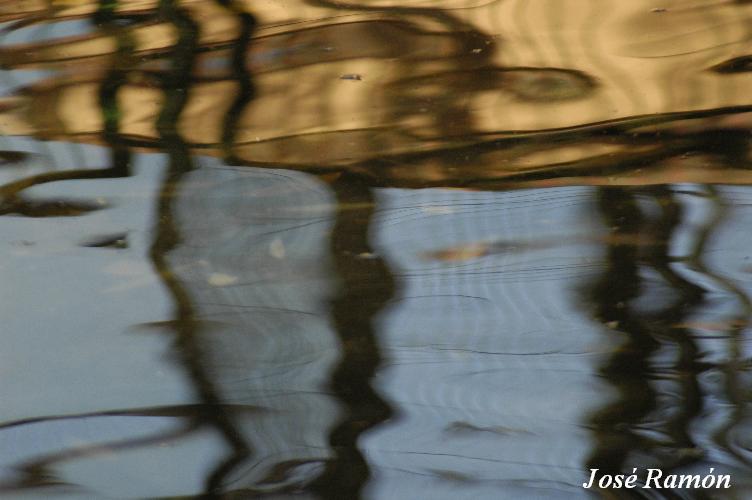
221,279
460,253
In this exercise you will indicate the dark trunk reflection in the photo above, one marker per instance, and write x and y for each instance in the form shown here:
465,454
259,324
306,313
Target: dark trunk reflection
367,285
320,249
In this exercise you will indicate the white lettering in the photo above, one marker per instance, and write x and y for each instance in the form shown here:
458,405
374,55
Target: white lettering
589,484
689,481
631,481
656,479
670,481
721,483
653,475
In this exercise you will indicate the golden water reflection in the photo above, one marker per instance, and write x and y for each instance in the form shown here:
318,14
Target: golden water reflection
317,249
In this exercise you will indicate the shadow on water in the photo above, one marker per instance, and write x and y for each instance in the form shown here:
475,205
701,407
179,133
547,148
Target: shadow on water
367,286
621,426
386,251
662,347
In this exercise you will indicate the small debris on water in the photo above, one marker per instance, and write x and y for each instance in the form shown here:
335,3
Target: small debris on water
453,476
351,76
459,253
477,51
277,249
463,427
367,255
221,279
612,324
119,241
659,9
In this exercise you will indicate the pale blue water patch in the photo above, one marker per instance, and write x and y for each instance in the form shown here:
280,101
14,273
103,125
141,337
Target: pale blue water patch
489,359
46,156
254,256
71,311
171,468
12,81
25,443
45,31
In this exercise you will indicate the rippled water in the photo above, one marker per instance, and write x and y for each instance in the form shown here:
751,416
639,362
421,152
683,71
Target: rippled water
385,250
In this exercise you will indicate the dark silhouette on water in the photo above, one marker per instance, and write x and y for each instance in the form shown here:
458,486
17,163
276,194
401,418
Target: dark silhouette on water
394,97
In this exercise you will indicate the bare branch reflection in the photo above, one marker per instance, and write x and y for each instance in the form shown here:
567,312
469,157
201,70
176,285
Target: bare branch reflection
386,249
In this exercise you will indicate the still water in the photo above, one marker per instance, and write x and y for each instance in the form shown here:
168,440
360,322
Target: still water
309,249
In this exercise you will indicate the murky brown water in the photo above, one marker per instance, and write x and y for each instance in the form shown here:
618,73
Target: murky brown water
385,250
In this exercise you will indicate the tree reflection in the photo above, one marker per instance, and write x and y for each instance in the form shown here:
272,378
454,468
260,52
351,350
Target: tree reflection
442,101
647,295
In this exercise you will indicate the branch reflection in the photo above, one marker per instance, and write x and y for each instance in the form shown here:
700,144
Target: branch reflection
282,151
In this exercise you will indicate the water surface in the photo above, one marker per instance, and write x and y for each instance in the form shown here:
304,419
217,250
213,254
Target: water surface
385,250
